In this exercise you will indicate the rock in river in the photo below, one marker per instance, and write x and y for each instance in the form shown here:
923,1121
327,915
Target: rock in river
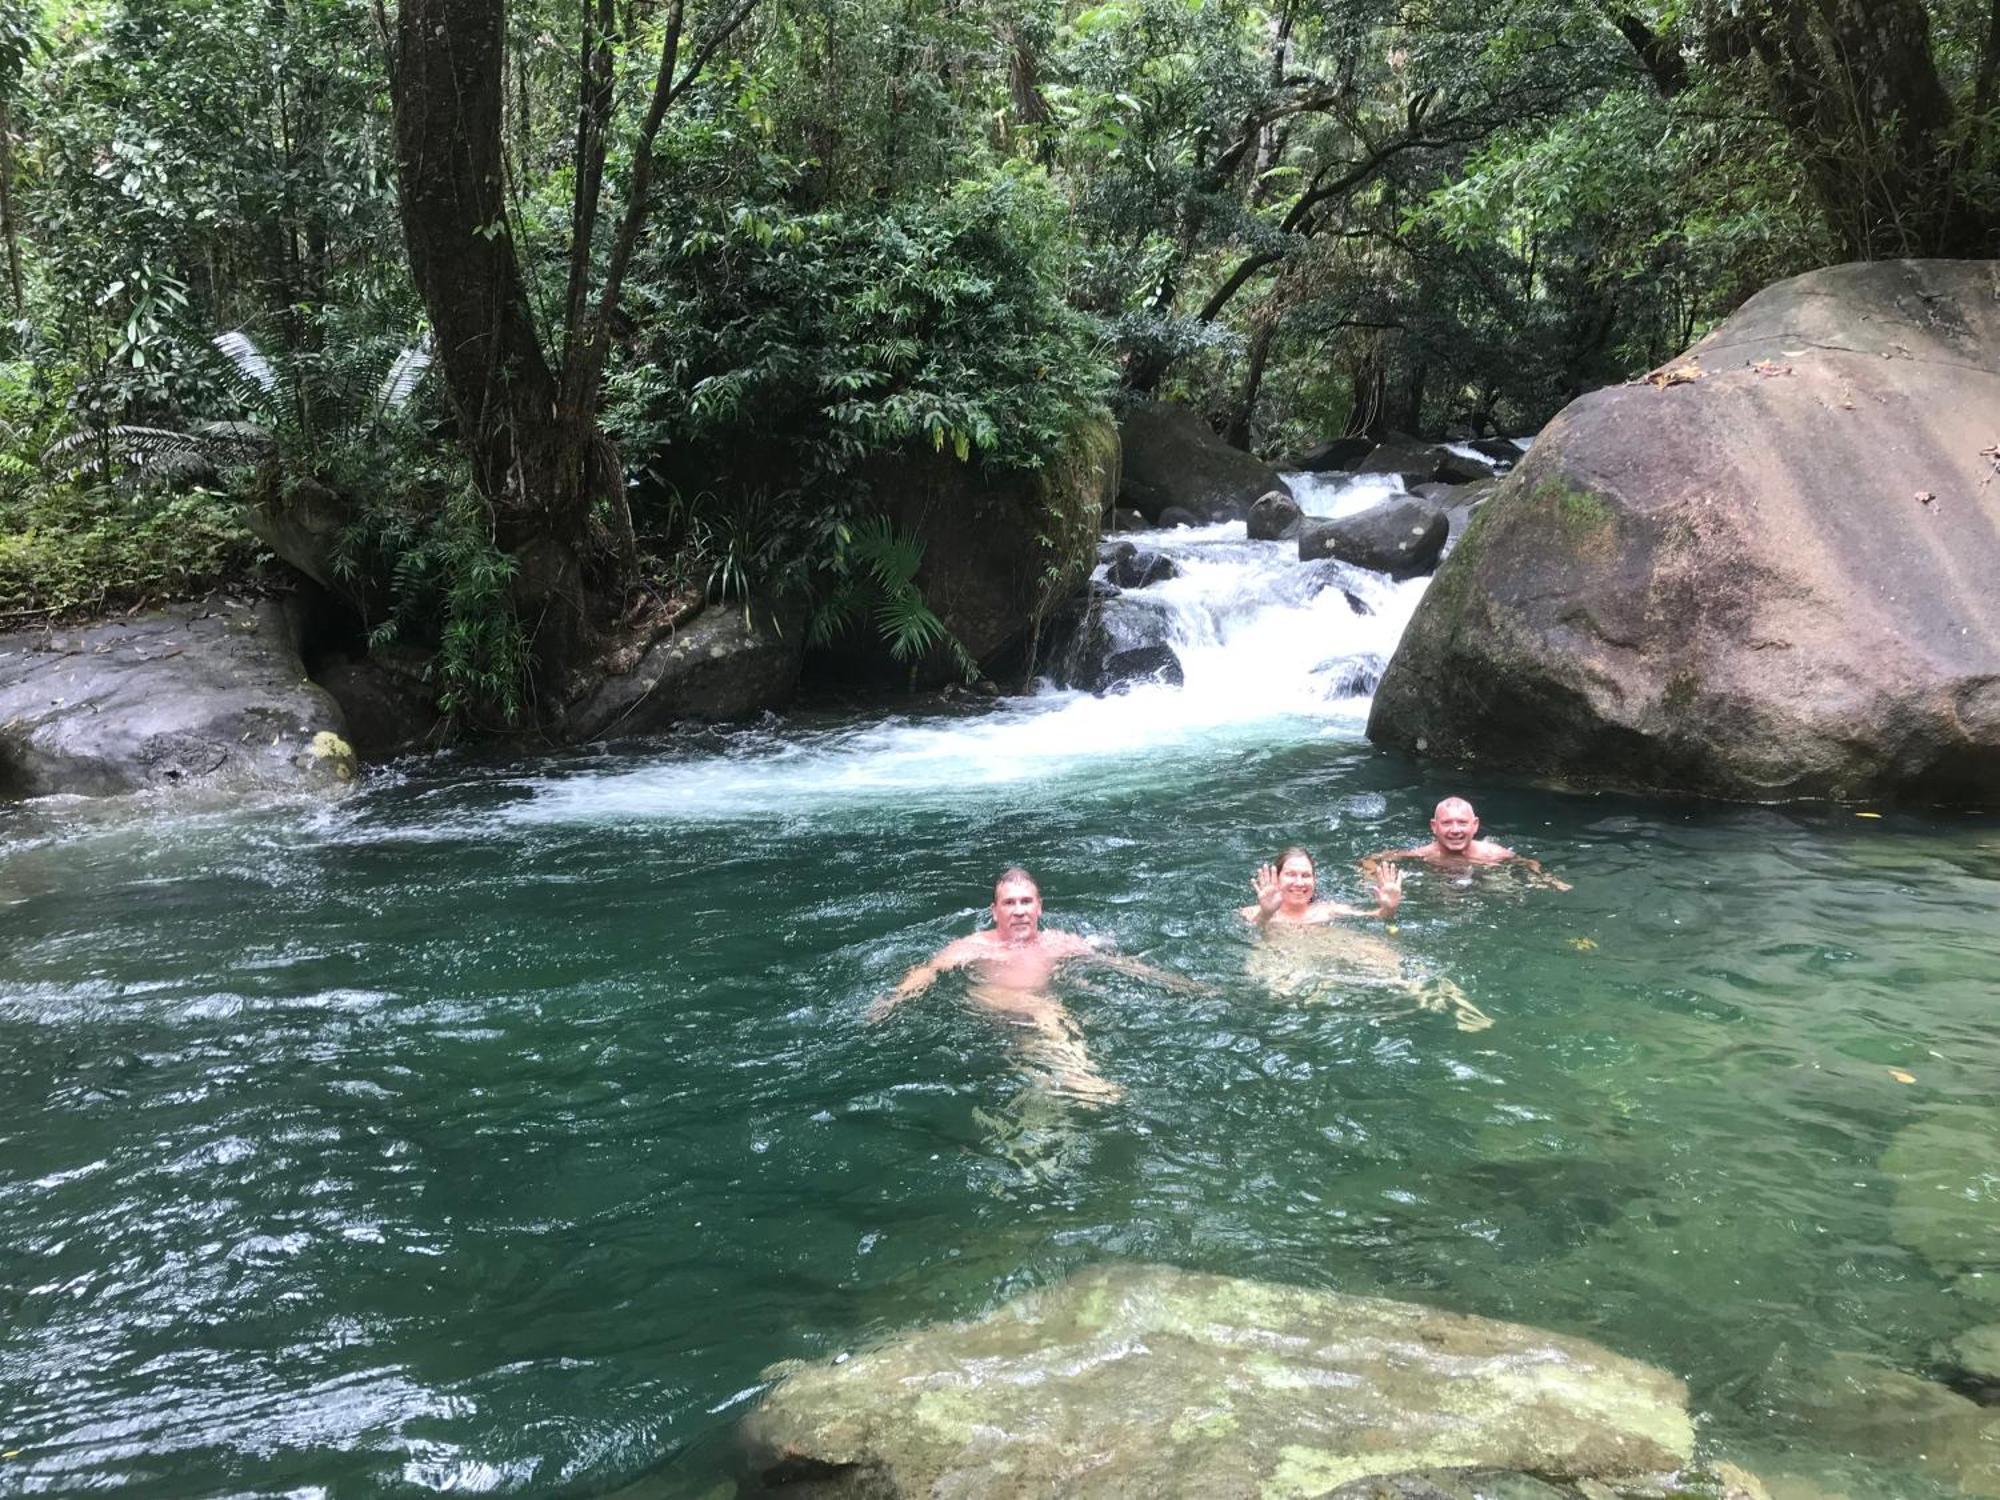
1764,571
1172,459
198,695
1144,1380
1401,537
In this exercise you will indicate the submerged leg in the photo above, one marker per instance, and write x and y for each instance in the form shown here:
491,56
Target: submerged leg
1054,1052
1442,995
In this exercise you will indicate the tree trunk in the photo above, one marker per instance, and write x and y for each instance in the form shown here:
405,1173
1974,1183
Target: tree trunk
1857,88
538,464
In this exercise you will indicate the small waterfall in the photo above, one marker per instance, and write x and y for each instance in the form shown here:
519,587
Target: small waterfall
1270,648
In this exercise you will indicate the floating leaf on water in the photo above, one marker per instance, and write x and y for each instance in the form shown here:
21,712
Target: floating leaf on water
1867,815
1583,944
1901,1077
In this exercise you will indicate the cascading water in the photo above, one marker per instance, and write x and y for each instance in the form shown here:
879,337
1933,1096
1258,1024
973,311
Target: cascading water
1272,649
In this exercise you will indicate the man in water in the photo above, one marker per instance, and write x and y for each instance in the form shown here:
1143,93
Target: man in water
1455,845
1015,961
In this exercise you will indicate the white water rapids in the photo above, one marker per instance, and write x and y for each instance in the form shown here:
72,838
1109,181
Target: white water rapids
1273,650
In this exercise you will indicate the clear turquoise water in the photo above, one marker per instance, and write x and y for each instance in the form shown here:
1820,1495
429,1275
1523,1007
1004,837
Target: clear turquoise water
497,1128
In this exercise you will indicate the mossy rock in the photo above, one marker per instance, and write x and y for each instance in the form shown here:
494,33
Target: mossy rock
1145,1380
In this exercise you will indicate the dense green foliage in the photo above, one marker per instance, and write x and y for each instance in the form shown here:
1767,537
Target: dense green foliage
872,225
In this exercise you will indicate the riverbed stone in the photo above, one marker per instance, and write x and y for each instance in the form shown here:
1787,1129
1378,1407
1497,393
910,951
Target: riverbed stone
1146,1380
209,696
1761,572
1946,1203
1977,1352
1877,1412
1170,458
1401,537
1124,670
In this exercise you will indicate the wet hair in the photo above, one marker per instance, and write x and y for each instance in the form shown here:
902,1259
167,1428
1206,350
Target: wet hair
1286,854
1015,875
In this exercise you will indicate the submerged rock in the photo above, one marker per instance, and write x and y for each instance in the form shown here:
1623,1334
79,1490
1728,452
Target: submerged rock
1145,1380
1877,1412
1947,1195
203,695
1760,572
1401,537
1172,459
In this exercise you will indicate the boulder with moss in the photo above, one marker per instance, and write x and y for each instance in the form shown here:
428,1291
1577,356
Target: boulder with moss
1760,572
1145,1380
208,697
1001,550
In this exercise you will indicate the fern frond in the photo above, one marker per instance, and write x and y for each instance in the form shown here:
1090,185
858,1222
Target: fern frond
248,360
400,383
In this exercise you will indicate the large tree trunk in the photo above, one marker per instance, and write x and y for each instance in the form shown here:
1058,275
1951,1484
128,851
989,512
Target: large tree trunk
539,463
1859,92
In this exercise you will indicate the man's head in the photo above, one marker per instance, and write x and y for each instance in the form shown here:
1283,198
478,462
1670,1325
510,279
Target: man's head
1454,825
1017,905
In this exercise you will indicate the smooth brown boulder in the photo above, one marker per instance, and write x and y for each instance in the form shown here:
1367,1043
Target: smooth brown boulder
1764,571
1170,458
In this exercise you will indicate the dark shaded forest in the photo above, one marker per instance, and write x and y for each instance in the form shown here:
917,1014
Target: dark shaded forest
535,312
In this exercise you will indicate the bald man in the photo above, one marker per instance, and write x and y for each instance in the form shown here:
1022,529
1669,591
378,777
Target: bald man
1456,845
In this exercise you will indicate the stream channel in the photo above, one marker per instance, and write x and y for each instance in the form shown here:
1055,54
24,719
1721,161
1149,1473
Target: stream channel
493,1129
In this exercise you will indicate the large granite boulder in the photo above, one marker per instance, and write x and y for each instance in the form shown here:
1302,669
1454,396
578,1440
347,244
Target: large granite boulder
1761,572
700,664
1144,1380
1172,459
1401,537
209,696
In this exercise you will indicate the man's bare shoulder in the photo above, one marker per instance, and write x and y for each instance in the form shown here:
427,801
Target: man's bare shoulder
1486,852
966,950
1059,944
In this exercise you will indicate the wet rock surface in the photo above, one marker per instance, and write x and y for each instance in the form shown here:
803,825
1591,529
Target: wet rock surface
1274,518
211,696
1761,572
1402,537
1130,567
1145,1380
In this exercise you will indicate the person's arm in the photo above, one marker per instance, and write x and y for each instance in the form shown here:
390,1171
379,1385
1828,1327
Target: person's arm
1097,952
1269,897
1388,895
1371,865
954,955
1541,876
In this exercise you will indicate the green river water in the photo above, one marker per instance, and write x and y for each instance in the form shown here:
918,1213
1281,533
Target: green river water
495,1129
